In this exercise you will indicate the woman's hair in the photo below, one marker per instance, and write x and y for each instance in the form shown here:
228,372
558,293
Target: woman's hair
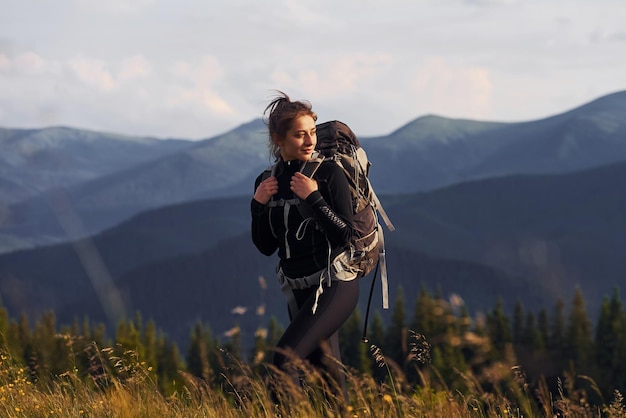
280,114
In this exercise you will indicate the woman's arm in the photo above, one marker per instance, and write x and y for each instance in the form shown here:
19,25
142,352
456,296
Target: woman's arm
262,235
333,208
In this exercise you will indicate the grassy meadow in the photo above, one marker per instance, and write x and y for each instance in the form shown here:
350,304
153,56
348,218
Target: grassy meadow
122,385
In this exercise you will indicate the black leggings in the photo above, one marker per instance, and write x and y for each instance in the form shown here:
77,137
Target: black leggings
309,336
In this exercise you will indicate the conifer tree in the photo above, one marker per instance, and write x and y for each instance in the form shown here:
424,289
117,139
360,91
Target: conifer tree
543,326
498,328
578,333
169,365
423,321
376,333
99,335
532,336
395,346
518,323
354,352
442,318
53,354
557,334
232,347
376,336
198,353
150,343
274,331
128,336
609,343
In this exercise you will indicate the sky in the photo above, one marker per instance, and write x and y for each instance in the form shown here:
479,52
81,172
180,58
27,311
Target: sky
193,69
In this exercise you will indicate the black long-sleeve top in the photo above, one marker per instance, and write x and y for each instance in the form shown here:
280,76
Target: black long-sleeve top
306,252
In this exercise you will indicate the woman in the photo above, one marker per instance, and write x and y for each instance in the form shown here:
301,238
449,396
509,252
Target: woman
307,220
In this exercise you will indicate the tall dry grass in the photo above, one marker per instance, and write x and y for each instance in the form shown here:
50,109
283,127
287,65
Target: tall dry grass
126,388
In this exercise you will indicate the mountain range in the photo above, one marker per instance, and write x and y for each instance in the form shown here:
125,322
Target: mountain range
523,211
429,152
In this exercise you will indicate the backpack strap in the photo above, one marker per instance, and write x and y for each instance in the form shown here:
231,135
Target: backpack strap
309,168
381,210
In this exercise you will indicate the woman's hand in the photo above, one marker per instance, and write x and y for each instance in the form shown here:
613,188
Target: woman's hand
302,185
265,191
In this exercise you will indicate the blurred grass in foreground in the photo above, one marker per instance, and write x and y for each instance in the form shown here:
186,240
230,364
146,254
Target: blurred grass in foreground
130,391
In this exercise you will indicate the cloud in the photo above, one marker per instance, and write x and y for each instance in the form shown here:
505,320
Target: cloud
196,85
93,72
134,67
345,74
29,63
24,64
454,89
5,63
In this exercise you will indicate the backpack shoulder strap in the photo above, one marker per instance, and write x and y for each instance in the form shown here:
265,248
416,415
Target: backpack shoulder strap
381,210
309,168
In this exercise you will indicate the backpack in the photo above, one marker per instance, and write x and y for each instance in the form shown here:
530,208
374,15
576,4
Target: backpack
337,142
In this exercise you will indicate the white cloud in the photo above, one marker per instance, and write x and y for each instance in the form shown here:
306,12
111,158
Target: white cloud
454,90
5,63
29,63
135,67
197,85
93,72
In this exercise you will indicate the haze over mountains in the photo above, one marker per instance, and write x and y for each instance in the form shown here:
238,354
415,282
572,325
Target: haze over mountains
517,210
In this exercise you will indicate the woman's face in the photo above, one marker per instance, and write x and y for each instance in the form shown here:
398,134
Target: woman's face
299,142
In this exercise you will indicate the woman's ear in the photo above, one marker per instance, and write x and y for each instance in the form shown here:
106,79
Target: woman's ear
276,140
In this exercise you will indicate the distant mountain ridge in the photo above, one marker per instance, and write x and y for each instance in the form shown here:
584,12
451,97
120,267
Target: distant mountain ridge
428,153
436,152
36,160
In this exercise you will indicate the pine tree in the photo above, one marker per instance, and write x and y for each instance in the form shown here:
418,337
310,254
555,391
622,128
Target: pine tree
52,348
354,351
518,324
498,328
150,343
168,365
556,341
532,335
376,336
198,361
274,331
395,346
543,325
609,343
232,347
619,368
423,321
578,334
376,333
128,336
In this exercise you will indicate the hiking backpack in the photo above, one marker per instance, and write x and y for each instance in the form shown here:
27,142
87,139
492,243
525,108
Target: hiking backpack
336,142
